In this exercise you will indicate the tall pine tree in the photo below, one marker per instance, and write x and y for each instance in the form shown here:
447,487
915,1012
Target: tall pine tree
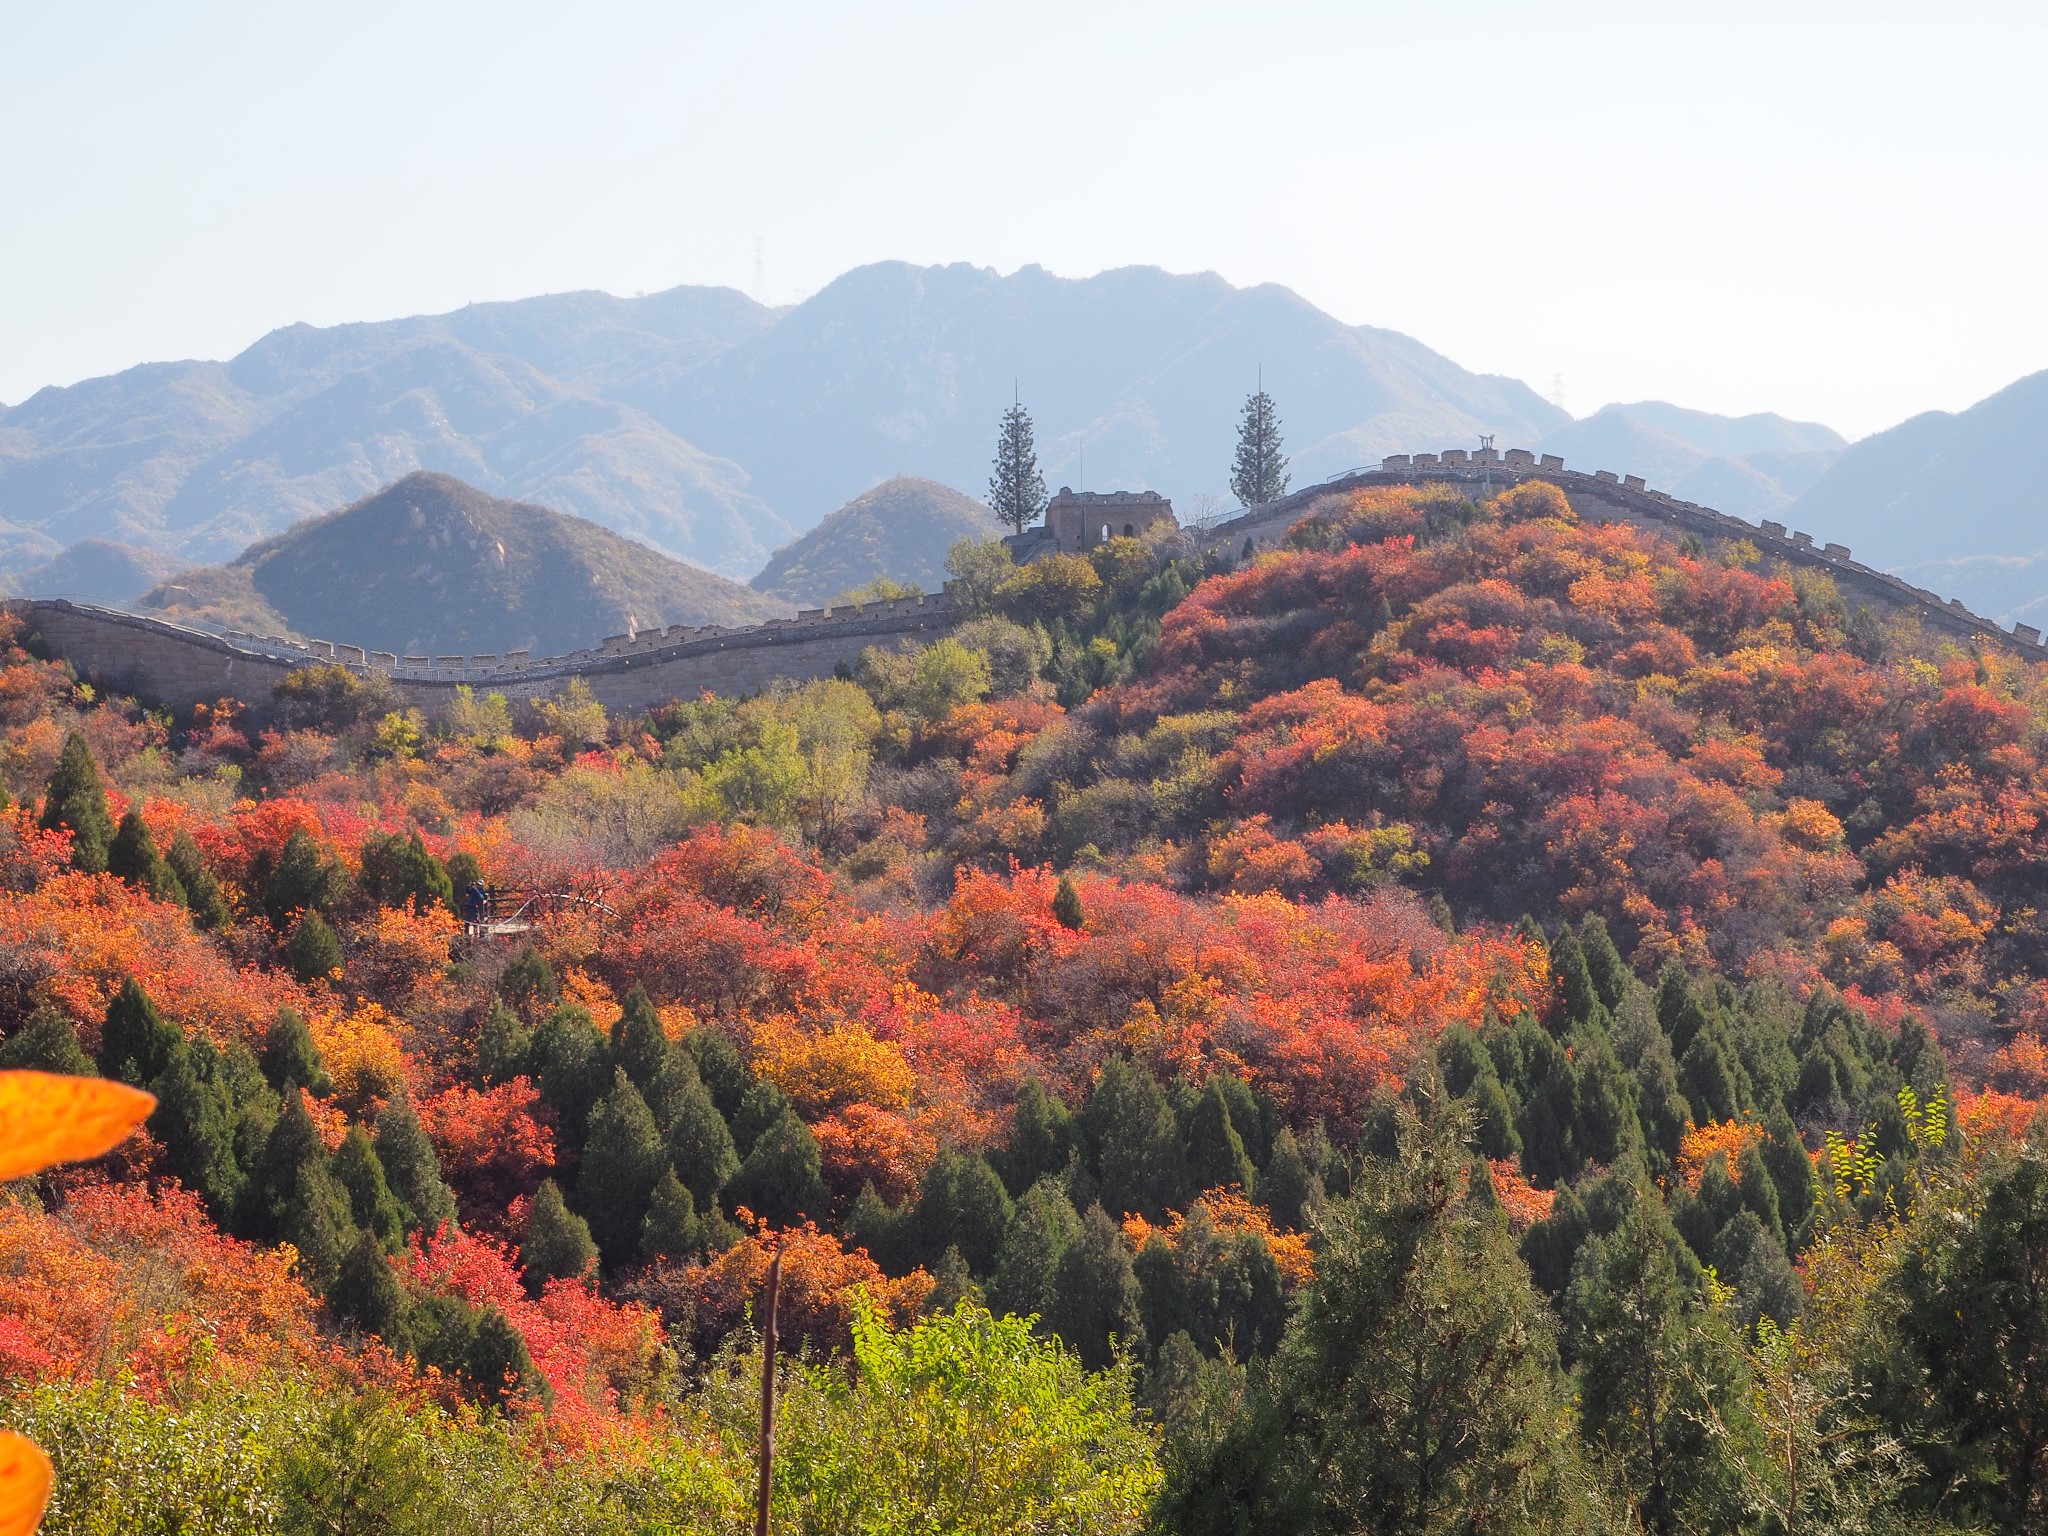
623,1160
1259,472
412,1168
133,856
136,1041
1016,491
76,799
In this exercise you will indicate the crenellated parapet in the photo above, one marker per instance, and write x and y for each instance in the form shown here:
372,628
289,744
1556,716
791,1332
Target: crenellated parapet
1606,496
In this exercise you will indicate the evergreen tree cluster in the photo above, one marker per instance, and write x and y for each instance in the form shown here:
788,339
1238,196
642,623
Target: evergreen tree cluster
668,1140
1037,1227
234,1128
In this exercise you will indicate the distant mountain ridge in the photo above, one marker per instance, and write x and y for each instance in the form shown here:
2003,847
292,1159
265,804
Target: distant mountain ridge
201,458
1748,466
1953,501
715,428
430,565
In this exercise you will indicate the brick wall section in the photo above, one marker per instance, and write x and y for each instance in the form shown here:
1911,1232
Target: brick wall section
1605,497
164,663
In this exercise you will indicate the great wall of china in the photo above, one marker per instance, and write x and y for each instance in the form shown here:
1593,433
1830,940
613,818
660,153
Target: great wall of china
164,662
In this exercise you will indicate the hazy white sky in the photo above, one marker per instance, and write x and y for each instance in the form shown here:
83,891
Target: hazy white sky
1839,212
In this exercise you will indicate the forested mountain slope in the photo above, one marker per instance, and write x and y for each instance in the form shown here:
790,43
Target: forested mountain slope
1599,976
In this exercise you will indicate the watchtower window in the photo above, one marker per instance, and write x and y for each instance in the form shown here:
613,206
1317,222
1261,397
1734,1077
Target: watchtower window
1129,531
1105,533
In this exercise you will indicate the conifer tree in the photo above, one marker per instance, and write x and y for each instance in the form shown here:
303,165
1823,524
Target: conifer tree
570,1067
782,1179
1604,1120
1469,1073
1259,472
375,1208
1662,1113
557,1245
497,1360
719,1064
1792,1172
623,1159
503,1046
367,1292
700,1147
1216,1154
962,1205
290,1056
885,1232
46,1041
411,1168
760,1107
314,950
1656,1370
1066,905
254,1102
1016,491
528,982
202,891
194,1118
1043,1136
302,879
654,1064
1252,1119
136,1041
1138,1155
670,1229
293,1197
1027,1264
1611,977
1547,1095
133,856
400,872
1965,1364
1095,1297
1290,1188
1418,1388
76,799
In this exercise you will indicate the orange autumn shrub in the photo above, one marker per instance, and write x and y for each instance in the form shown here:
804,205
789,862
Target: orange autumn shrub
397,956
492,1144
361,1049
1996,1118
1232,1213
597,1357
819,1279
1722,1139
125,1282
76,938
830,1068
2021,1064
1523,1202
861,1144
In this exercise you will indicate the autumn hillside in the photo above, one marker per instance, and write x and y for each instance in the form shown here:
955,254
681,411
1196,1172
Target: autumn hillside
1161,1023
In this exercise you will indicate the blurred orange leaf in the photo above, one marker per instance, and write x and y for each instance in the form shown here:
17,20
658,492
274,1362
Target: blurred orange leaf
24,1482
45,1119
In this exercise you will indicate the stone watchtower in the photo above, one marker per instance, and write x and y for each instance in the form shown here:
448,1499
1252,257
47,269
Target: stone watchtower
1080,520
